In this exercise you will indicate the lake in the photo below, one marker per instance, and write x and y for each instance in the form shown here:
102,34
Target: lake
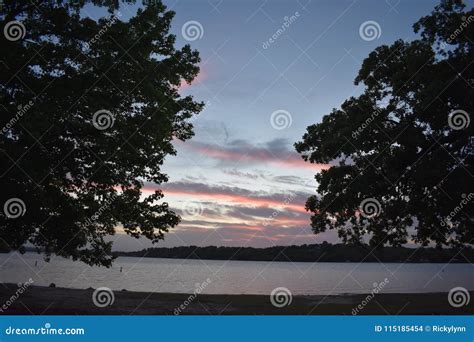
237,277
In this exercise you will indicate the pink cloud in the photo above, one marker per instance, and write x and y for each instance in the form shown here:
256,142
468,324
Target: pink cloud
253,154
218,197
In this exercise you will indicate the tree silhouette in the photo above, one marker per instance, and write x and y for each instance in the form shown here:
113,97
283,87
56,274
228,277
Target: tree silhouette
402,151
89,111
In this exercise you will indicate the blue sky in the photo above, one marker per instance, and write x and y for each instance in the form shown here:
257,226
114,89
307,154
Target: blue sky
238,181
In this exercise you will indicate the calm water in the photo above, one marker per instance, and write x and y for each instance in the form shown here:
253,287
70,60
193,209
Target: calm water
236,277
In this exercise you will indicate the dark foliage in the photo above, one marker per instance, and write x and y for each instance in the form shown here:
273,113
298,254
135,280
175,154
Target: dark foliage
77,182
395,146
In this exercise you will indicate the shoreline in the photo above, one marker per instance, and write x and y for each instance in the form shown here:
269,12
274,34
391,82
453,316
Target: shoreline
40,300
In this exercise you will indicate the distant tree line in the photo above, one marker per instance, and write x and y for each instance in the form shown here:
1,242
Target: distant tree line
324,252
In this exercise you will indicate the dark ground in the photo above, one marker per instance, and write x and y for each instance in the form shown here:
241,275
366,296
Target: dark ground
61,301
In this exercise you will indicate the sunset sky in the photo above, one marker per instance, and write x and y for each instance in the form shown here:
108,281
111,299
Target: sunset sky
239,182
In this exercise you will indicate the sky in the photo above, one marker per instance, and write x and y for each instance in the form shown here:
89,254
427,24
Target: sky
239,181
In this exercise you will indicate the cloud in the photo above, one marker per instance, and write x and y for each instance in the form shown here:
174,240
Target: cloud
290,180
246,175
263,175
240,213
249,232
294,201
276,152
237,213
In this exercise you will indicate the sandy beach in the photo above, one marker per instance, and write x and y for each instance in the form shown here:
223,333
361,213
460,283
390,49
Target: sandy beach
61,301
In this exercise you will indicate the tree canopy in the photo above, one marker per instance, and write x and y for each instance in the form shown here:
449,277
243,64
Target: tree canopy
402,150
89,112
